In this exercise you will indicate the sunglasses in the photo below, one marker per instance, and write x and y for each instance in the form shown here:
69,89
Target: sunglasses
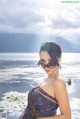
49,65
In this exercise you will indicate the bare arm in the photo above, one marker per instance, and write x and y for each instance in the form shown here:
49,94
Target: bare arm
63,101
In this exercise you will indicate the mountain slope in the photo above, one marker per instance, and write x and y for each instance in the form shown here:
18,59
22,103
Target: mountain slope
32,42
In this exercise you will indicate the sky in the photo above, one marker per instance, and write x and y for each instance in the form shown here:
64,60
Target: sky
40,17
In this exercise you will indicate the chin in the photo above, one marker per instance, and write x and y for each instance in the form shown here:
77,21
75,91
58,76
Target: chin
51,73
48,72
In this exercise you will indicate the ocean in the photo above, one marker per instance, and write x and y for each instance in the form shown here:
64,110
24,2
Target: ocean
19,73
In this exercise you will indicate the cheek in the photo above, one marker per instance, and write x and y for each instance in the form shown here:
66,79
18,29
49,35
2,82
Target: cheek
53,70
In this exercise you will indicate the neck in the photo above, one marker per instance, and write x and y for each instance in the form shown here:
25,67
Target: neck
53,76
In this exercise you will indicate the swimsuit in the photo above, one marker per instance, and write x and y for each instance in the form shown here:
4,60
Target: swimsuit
40,104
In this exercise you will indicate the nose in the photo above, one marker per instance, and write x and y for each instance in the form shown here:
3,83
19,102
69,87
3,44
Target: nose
46,68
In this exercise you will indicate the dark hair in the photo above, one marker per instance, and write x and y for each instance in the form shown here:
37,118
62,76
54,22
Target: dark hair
53,50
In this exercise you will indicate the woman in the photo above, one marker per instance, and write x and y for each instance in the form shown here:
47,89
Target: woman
44,100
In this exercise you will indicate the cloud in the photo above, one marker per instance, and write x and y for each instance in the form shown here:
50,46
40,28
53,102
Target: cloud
44,16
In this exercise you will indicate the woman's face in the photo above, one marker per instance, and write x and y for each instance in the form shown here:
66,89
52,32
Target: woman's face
47,65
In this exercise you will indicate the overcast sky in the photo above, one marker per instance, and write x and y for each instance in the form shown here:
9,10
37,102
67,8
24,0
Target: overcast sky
40,16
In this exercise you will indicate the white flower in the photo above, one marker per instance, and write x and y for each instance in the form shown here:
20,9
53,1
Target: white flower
14,101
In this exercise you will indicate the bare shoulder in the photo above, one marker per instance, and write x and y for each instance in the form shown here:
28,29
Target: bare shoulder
60,88
61,95
59,83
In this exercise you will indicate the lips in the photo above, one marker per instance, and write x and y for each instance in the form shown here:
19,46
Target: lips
47,70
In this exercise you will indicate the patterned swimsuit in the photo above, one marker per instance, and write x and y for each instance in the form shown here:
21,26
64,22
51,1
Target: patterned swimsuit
40,104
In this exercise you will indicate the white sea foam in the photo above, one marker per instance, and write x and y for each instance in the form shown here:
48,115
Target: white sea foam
12,73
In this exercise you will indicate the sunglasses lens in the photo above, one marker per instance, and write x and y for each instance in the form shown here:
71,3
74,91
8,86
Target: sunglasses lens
41,64
49,65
